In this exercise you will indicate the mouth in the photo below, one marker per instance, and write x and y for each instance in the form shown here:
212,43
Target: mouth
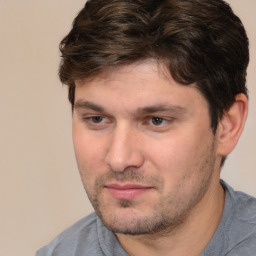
126,191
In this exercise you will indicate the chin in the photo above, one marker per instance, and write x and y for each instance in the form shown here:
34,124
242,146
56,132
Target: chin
130,221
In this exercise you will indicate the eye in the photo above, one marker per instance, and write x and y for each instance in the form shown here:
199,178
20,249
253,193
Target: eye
96,122
96,119
157,121
92,120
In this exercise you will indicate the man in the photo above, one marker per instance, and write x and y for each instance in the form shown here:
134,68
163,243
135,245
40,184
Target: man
159,100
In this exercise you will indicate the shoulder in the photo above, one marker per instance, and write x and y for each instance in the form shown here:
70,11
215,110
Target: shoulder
240,228
236,233
243,207
75,238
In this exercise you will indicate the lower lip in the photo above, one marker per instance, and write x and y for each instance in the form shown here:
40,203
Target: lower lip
127,193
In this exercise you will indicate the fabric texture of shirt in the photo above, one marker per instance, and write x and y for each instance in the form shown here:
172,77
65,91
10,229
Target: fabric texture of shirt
235,235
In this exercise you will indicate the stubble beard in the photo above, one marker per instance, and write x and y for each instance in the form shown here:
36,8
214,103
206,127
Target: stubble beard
167,215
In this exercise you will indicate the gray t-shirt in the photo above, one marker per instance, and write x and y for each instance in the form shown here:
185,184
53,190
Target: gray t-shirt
235,235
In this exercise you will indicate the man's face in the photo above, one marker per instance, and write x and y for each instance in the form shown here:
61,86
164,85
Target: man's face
144,148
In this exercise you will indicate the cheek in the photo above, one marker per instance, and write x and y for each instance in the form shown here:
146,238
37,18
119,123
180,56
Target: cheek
179,155
87,155
89,152
169,151
87,163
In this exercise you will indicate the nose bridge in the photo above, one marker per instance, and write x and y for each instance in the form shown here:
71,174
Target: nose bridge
124,150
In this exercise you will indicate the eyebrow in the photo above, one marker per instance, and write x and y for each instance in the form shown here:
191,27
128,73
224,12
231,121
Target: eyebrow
178,110
161,108
88,105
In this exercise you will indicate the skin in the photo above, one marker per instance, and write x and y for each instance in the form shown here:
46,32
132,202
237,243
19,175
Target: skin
149,160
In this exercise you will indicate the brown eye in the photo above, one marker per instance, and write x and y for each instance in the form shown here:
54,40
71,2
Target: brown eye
157,120
96,119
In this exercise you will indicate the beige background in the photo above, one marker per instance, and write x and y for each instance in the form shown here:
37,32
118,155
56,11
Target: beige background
40,190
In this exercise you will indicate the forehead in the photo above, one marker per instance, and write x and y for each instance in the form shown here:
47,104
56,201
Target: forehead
142,83
142,69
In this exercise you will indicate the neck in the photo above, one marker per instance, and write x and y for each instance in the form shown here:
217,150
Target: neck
189,238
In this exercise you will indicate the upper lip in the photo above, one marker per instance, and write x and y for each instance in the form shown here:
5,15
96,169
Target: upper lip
126,186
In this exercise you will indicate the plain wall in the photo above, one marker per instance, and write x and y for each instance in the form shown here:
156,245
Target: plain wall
40,189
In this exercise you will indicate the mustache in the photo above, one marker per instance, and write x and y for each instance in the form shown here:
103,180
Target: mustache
129,175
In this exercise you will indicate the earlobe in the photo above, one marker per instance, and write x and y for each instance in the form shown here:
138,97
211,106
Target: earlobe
231,125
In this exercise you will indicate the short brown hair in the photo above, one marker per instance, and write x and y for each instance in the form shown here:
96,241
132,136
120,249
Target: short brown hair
200,41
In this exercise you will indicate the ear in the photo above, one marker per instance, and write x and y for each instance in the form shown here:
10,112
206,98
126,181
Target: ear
231,125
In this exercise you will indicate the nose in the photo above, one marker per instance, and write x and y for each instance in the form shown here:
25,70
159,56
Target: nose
125,150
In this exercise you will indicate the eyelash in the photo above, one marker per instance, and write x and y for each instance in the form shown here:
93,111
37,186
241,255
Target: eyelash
156,119
149,120
92,119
